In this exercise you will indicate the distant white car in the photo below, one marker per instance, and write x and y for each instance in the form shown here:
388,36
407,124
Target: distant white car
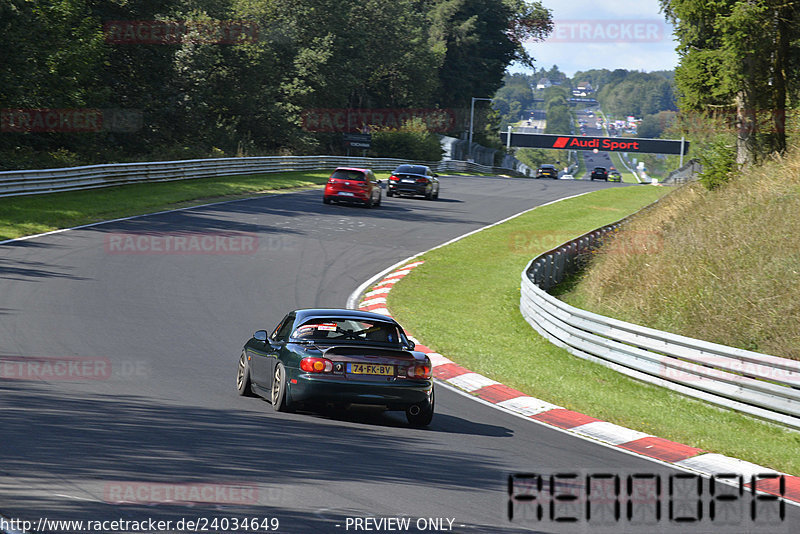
567,177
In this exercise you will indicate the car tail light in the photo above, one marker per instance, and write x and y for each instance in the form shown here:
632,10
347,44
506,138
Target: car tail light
419,371
394,178
422,180
316,365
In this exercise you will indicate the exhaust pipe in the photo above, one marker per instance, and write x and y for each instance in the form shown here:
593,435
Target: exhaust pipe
414,410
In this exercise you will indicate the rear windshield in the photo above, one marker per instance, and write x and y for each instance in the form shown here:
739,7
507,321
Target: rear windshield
328,330
410,169
342,174
547,167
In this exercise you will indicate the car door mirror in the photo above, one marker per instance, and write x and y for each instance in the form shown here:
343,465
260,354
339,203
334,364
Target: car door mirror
260,335
410,345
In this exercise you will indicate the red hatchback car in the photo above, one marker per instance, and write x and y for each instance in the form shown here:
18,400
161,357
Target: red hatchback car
348,184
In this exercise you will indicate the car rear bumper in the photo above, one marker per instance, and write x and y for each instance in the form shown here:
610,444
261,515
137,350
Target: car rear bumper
408,189
355,196
395,394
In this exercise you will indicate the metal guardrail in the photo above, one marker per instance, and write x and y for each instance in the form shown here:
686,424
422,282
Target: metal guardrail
689,172
93,176
757,384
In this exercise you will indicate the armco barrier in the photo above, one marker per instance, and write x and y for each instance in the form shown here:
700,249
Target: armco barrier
689,172
757,384
107,175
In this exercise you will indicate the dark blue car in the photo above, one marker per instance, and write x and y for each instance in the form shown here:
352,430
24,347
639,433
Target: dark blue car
339,358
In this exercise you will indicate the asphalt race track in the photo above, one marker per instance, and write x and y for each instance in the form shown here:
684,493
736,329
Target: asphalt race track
590,159
149,416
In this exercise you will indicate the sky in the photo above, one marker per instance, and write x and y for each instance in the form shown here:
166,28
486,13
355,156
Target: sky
618,34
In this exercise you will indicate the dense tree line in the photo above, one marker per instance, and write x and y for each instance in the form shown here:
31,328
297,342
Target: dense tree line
559,114
622,92
515,98
243,91
739,68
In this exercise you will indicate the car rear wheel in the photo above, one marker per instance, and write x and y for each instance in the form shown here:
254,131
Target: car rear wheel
436,194
243,377
423,416
279,396
326,200
389,193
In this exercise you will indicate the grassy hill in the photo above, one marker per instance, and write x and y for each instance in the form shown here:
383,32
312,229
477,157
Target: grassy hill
720,265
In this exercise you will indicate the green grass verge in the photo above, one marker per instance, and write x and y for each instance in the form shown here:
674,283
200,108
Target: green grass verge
464,303
33,214
581,167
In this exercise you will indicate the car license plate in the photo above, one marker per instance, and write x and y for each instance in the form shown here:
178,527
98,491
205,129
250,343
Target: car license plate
408,181
370,369
343,194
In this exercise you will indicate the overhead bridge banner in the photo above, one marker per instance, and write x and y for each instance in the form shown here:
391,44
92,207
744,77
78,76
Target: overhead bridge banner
601,144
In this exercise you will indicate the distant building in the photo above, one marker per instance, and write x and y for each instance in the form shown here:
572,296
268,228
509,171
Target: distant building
544,83
584,87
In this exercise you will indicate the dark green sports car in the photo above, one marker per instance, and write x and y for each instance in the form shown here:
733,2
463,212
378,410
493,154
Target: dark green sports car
340,358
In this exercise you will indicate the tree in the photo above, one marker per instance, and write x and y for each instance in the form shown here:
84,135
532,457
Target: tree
736,56
635,93
652,126
411,140
558,114
477,40
198,97
514,98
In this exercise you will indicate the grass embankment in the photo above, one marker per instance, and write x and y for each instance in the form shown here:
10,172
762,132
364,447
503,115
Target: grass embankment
723,266
464,303
33,214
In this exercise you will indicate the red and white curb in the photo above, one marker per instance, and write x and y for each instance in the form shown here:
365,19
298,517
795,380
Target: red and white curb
633,441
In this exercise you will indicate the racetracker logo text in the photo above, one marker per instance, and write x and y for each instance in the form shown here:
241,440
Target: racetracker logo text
180,31
609,31
629,242
47,369
367,120
181,243
199,492
70,120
